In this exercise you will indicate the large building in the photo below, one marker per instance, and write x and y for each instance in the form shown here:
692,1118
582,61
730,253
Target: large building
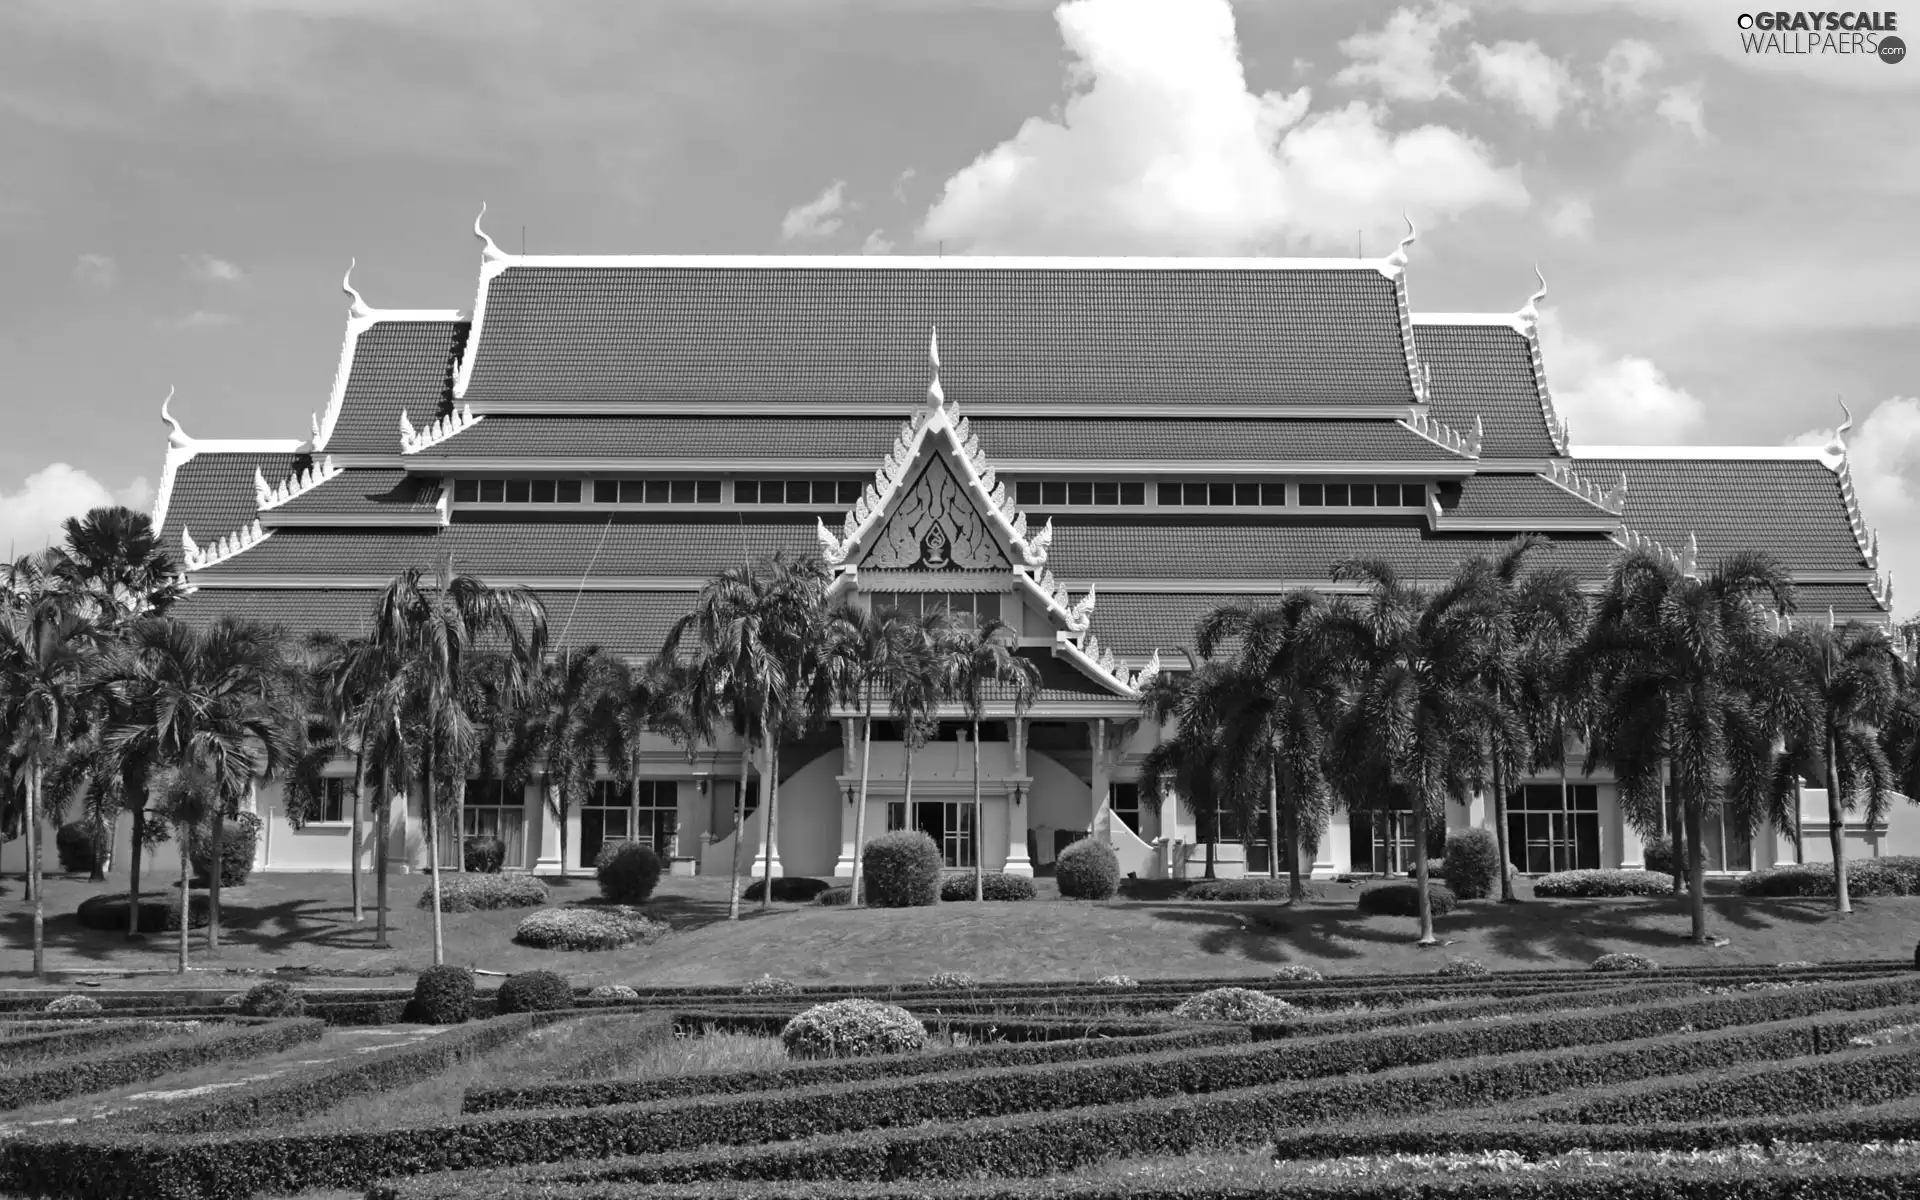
1097,451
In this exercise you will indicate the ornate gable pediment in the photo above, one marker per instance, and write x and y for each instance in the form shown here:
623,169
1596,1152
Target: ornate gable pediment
935,527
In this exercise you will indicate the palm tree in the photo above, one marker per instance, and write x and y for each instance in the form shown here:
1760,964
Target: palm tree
430,634
575,719
1678,670
868,651
1411,733
335,679
183,796
914,700
43,653
114,562
1192,708
1289,695
1850,677
985,653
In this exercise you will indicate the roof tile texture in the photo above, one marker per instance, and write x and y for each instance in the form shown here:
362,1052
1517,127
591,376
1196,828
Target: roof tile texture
397,366
1515,498
1791,508
1486,370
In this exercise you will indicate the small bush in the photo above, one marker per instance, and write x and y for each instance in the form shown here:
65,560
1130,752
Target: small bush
846,1028
952,981
233,1000
797,890
1463,968
239,838
484,855
442,996
1589,884
1897,875
1087,870
1472,864
769,985
833,897
534,991
611,928
272,999
628,872
1238,889
902,869
1299,972
1659,854
613,991
1624,961
108,914
1403,900
1794,966
1242,1006
485,893
74,843
1122,981
994,885
73,1004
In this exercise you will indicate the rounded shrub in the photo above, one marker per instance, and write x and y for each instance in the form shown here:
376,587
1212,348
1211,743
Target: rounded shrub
108,914
484,855
796,890
610,928
75,845
272,999
846,1028
1463,968
1565,885
239,838
1239,1005
957,981
628,872
1659,854
1895,875
73,1004
613,991
769,985
442,996
1087,870
1624,961
1403,900
534,991
1298,973
902,869
994,885
233,1000
1238,889
834,897
1473,864
486,893
1117,981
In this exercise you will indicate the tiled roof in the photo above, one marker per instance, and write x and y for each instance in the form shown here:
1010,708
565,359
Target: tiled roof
1814,599
1514,498
745,439
363,490
397,366
631,623
1486,370
1791,508
213,494
1138,623
1150,336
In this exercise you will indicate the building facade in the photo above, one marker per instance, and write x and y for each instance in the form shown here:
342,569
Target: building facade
1095,451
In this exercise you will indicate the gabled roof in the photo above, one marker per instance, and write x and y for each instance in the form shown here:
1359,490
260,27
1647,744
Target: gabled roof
1487,370
392,366
362,496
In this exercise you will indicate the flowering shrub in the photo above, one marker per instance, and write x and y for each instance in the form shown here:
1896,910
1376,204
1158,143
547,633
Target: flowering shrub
1463,968
1791,1154
1239,1005
952,980
1297,971
73,1004
272,999
613,991
1895,875
846,1028
485,893
1118,981
1624,962
611,928
1588,884
769,985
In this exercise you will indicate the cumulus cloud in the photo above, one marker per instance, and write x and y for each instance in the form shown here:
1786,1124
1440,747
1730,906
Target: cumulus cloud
205,268
1613,399
1161,148
199,318
1572,219
31,518
1402,58
877,243
1682,106
900,184
96,272
818,217
1881,448
1624,71
1526,78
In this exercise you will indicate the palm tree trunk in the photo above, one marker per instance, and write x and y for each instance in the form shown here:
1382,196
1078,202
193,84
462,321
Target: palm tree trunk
186,897
557,805
739,830
1500,831
133,870
1676,834
1696,871
460,821
1296,883
433,849
357,840
1420,875
1799,840
33,874
906,783
383,836
860,814
102,848
979,822
773,817
1837,831
1273,829
215,870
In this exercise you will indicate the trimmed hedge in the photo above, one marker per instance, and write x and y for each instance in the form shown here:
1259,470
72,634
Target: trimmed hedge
1624,961
614,991
1087,870
272,999
627,872
117,1066
1463,968
901,869
1208,890
1590,884
442,996
994,885
796,889
1896,875
1403,900
608,928
239,839
846,1028
1472,864
1297,973
108,913
77,1037
534,991
73,1004
767,985
486,893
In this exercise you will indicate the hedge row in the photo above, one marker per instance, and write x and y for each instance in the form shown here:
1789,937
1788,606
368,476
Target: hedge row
184,1168
113,1067
77,1037
1049,1143
600,1093
767,1022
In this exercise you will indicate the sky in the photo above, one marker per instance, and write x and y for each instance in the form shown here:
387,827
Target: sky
1727,238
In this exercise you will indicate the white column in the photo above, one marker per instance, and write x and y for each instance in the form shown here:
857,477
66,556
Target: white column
548,831
1097,729
849,771
1019,797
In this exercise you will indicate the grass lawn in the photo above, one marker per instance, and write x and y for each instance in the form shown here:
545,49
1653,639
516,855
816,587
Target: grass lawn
293,921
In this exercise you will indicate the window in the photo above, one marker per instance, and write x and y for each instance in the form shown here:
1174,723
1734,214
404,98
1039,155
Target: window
1363,495
1554,829
1724,845
638,491
657,815
1382,842
1078,493
1126,805
959,605
896,815
516,491
336,800
818,492
605,820
490,811
1248,494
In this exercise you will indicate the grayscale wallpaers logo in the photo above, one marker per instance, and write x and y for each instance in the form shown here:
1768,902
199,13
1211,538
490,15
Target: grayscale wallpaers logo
1868,34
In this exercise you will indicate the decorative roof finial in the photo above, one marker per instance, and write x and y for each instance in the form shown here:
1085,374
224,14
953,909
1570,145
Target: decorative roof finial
177,436
936,396
1846,424
1399,256
1532,310
359,307
488,251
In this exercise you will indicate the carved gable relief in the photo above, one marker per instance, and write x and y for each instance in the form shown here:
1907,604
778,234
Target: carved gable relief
936,528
